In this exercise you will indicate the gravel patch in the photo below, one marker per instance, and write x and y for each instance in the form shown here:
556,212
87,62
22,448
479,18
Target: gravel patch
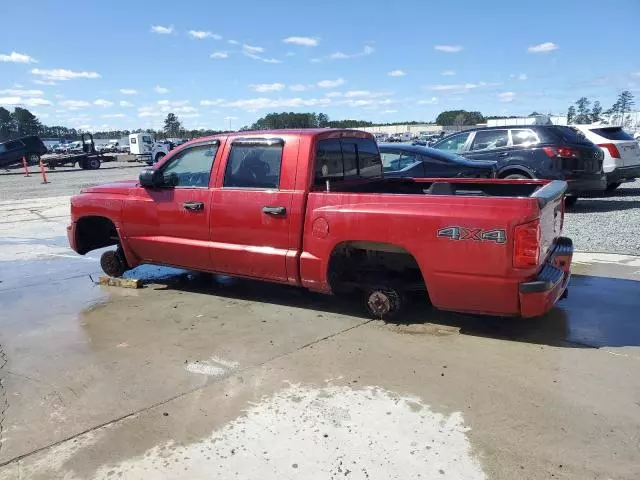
607,223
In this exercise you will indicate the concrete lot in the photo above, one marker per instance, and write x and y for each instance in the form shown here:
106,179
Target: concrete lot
192,377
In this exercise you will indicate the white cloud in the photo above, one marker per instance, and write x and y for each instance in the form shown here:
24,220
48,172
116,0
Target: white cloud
128,91
162,30
22,93
267,87
315,60
506,97
522,76
448,73
430,101
298,87
124,103
545,47
114,115
10,100
219,55
252,49
254,104
366,93
173,103
333,94
302,41
211,103
15,57
234,42
74,104
63,74
388,111
330,83
44,82
160,90
289,54
367,50
448,48
200,35
397,73
457,88
103,103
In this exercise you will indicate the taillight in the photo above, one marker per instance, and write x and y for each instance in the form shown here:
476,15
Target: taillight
562,152
526,245
613,150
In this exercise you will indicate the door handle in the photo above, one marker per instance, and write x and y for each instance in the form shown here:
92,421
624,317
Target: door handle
193,206
503,154
274,210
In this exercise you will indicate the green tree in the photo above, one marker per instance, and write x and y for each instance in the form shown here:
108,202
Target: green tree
26,122
624,105
534,114
459,117
172,126
582,108
7,125
596,111
571,114
323,119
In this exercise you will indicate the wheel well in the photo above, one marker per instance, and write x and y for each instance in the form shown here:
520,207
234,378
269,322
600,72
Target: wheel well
95,232
514,171
358,264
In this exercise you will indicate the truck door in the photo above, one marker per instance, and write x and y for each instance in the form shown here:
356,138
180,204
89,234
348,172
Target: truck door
252,208
170,225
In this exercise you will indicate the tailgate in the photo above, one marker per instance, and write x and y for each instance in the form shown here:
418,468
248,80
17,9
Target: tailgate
551,203
629,153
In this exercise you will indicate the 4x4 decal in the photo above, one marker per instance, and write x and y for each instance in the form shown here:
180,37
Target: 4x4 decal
477,234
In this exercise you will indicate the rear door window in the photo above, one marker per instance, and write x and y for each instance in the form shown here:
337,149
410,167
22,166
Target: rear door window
523,137
254,165
490,140
13,145
612,133
571,135
454,143
328,161
340,159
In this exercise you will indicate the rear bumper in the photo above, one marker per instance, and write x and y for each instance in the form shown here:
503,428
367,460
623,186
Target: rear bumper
621,174
587,184
539,295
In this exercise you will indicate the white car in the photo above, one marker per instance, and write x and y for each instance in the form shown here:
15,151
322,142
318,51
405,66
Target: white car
621,153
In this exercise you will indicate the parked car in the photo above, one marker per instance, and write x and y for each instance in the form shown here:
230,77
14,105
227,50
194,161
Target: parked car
621,153
394,139
422,162
535,151
426,140
310,208
31,147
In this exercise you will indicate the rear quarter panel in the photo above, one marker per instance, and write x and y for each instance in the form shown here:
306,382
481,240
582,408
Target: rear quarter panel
464,275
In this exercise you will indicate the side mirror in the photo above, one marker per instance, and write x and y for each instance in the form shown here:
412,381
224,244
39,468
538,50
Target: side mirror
150,178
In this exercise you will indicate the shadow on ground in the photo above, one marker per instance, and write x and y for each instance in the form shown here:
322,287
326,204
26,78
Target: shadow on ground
599,311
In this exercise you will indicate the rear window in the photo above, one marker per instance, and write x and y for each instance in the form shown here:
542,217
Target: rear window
571,135
345,158
612,133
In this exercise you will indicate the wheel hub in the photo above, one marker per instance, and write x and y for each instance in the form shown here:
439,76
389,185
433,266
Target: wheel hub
379,303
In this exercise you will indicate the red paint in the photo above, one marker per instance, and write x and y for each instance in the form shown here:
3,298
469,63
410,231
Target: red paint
26,167
232,234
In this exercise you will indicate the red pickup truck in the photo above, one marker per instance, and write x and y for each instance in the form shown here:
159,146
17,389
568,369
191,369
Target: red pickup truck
311,208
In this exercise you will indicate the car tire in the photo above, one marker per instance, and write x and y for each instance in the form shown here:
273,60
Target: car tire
113,263
93,163
570,201
383,302
33,159
517,176
612,186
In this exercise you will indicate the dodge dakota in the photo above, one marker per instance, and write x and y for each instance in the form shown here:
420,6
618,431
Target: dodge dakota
311,208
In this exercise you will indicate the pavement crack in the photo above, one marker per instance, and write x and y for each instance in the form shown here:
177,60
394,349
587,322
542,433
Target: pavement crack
179,395
4,399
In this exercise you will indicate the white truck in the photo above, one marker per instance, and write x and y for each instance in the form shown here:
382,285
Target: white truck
146,149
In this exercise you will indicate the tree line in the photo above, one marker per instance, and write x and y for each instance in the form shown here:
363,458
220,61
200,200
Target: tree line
583,111
21,122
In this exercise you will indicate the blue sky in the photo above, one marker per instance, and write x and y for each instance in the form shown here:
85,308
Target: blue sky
126,64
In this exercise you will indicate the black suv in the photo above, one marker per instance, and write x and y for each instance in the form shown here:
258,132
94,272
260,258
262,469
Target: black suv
534,151
12,151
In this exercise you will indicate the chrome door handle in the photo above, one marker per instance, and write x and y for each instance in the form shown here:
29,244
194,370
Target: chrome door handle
193,206
274,210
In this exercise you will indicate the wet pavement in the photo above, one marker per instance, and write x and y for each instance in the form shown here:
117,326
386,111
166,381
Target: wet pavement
196,376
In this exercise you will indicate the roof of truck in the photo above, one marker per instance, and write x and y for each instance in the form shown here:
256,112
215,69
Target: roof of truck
302,132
